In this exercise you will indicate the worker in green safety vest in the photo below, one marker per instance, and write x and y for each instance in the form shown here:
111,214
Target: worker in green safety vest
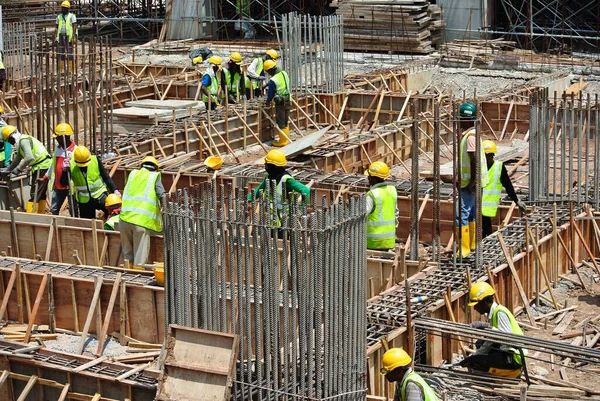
30,153
278,92
211,89
255,75
113,205
140,212
382,208
491,357
497,179
410,386
231,78
66,34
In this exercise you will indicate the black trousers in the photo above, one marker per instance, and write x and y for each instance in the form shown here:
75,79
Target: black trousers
494,359
88,210
486,226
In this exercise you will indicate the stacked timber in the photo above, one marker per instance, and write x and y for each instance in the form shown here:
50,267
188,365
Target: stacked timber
402,26
473,52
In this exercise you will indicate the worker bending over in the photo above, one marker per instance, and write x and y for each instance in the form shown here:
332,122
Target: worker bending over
66,34
409,385
497,178
231,78
499,360
466,211
140,212
92,183
211,90
30,153
382,206
278,92
113,205
255,76
59,172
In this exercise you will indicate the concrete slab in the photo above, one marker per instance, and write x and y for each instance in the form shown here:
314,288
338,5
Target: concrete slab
164,104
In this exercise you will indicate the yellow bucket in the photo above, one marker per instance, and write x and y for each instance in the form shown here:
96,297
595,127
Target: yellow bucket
159,274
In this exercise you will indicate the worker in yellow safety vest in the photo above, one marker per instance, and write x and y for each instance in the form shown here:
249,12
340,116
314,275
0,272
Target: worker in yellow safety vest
278,92
255,76
211,90
113,205
497,179
382,208
91,181
231,78
410,386
140,211
66,34
466,210
30,153
491,357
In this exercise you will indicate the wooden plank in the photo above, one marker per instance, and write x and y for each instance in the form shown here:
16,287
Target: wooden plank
108,314
88,321
542,266
563,324
9,287
132,372
28,387
36,305
64,392
90,364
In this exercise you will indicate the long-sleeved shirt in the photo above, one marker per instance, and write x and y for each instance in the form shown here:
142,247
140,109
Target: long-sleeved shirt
271,91
252,73
160,190
413,391
223,80
21,162
507,184
291,185
105,176
371,204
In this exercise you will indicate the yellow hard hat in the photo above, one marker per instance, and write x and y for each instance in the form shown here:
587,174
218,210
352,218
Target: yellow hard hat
276,157
197,60
7,131
273,54
112,199
215,60
151,160
269,65
65,4
82,156
394,358
63,129
489,147
378,169
480,291
213,162
236,58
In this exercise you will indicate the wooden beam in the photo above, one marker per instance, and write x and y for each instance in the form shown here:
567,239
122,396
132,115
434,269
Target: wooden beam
28,387
542,266
36,305
108,314
90,364
88,321
9,287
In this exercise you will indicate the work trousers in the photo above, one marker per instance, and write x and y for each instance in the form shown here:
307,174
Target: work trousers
465,213
257,92
496,358
2,79
88,210
282,112
65,48
58,198
135,241
486,223
38,190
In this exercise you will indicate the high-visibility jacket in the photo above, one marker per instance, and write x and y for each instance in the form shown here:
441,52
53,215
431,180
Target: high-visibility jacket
110,223
254,83
90,186
278,208
41,157
1,60
492,192
282,83
68,23
213,89
465,162
413,377
140,204
233,83
515,329
381,222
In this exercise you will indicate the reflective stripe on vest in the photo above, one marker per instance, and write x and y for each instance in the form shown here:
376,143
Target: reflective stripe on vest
40,154
413,377
515,329
68,20
465,165
89,186
1,61
255,83
492,192
140,204
277,205
282,83
214,84
381,222
110,223
233,86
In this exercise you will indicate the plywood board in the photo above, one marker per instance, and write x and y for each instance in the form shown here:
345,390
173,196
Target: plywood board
164,104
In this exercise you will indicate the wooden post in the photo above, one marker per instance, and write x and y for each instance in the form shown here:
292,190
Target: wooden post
108,314
19,293
36,306
88,321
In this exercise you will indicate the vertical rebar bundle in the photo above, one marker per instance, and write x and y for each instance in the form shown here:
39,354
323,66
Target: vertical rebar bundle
294,293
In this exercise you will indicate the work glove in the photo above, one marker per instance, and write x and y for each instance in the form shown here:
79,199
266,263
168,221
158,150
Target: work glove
522,206
117,193
480,325
262,78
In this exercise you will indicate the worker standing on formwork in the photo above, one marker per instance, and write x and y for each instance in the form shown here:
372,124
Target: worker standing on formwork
255,76
66,34
497,178
140,212
30,152
231,78
59,172
382,206
466,210
409,385
278,92
491,357
92,183
5,147
113,205
211,90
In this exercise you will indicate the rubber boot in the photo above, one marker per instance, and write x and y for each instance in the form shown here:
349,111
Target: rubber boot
71,66
283,140
473,235
29,207
41,207
464,249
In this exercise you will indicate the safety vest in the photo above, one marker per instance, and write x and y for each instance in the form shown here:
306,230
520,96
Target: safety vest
242,7
465,165
492,191
1,60
41,157
381,222
277,205
90,186
68,20
255,83
2,156
413,377
515,329
140,204
282,83
233,85
110,223
213,89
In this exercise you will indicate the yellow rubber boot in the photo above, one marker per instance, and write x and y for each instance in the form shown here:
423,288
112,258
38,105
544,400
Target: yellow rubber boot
29,207
71,66
41,207
465,246
473,235
283,140
61,66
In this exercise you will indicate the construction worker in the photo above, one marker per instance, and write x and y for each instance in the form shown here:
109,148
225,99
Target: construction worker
30,152
255,76
492,192
466,211
499,360
231,73
59,171
278,92
2,71
382,206
113,205
66,34
140,213
275,163
91,181
5,147
409,385
211,90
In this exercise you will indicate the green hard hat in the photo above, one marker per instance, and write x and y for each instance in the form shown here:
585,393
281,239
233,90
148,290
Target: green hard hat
468,111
